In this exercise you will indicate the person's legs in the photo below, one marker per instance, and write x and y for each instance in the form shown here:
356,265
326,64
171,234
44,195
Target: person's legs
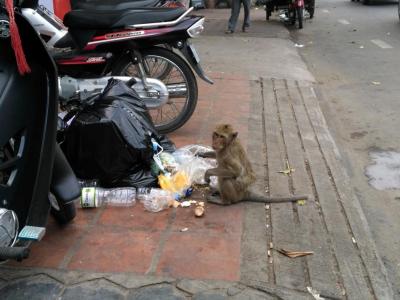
234,15
246,21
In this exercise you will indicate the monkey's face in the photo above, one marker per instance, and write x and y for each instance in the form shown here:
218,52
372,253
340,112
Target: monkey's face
218,141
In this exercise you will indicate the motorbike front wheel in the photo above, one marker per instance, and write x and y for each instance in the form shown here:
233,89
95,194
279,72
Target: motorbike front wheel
181,83
62,212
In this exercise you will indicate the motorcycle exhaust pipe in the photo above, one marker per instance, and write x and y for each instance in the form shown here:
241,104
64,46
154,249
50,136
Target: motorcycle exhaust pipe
155,94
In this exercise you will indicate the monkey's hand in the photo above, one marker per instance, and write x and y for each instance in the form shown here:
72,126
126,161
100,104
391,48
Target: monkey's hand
220,173
208,154
207,176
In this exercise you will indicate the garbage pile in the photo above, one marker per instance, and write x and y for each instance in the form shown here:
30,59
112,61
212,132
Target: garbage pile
177,173
115,150
111,139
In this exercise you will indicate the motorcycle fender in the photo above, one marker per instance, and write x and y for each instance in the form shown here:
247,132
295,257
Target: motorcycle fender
190,53
64,185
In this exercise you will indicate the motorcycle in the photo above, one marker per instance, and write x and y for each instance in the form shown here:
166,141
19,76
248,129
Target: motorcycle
115,5
61,7
31,163
100,44
290,10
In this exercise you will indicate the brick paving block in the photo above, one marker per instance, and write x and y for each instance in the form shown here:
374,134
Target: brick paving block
84,216
198,256
181,141
135,218
93,290
212,295
115,249
231,76
161,291
135,281
191,128
50,251
193,286
33,288
218,220
253,295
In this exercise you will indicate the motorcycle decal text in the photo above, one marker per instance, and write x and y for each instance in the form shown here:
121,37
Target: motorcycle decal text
118,35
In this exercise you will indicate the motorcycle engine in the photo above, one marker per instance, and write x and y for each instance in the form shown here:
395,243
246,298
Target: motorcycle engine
8,227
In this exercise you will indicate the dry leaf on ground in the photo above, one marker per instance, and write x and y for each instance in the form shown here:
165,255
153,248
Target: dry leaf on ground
294,254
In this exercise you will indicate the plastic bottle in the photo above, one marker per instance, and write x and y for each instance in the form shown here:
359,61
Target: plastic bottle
142,192
96,197
83,183
154,199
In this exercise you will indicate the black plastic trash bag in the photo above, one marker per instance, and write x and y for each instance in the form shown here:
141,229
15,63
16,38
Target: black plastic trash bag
111,139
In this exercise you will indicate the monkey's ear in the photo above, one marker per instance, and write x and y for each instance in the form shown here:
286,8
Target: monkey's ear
234,135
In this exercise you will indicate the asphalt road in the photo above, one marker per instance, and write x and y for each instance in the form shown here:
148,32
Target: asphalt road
353,51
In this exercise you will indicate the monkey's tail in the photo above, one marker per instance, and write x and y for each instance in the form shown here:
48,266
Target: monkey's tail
253,197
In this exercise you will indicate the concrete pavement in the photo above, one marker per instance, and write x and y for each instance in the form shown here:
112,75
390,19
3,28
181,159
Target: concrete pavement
265,90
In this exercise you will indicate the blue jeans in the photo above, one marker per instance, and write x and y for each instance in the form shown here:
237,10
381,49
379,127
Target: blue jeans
235,13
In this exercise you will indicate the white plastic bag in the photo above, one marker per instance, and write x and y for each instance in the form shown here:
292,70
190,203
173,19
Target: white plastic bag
195,167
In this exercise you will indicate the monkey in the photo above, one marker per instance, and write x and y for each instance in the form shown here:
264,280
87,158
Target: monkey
234,171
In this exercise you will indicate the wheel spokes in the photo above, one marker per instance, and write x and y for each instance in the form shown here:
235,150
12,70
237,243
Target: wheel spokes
162,69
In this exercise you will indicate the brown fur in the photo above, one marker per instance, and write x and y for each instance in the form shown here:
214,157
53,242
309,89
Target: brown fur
234,171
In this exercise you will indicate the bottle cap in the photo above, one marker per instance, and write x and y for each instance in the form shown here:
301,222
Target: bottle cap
88,197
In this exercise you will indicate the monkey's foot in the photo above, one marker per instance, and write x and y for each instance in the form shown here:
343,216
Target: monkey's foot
216,200
215,193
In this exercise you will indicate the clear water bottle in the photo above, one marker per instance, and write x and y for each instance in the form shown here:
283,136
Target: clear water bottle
96,197
154,199
83,183
142,192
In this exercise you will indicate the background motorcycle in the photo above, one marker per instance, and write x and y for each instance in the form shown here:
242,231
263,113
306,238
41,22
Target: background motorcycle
31,164
126,43
290,10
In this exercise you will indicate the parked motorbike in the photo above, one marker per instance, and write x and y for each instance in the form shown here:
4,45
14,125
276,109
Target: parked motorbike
61,7
126,43
32,166
115,5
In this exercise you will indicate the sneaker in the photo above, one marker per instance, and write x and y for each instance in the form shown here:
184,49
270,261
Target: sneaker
229,31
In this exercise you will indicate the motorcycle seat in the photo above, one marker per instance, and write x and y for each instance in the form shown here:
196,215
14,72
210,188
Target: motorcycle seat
112,19
115,5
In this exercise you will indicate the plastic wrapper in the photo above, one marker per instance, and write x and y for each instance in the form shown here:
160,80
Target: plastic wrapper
169,162
196,169
214,182
111,139
182,155
156,200
177,183
193,166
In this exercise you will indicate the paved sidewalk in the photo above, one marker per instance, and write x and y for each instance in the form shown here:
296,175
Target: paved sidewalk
119,253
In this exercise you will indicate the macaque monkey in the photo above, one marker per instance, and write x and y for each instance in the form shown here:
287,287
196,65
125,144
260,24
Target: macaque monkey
234,171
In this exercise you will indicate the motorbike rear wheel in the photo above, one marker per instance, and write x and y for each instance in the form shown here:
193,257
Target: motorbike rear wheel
175,73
